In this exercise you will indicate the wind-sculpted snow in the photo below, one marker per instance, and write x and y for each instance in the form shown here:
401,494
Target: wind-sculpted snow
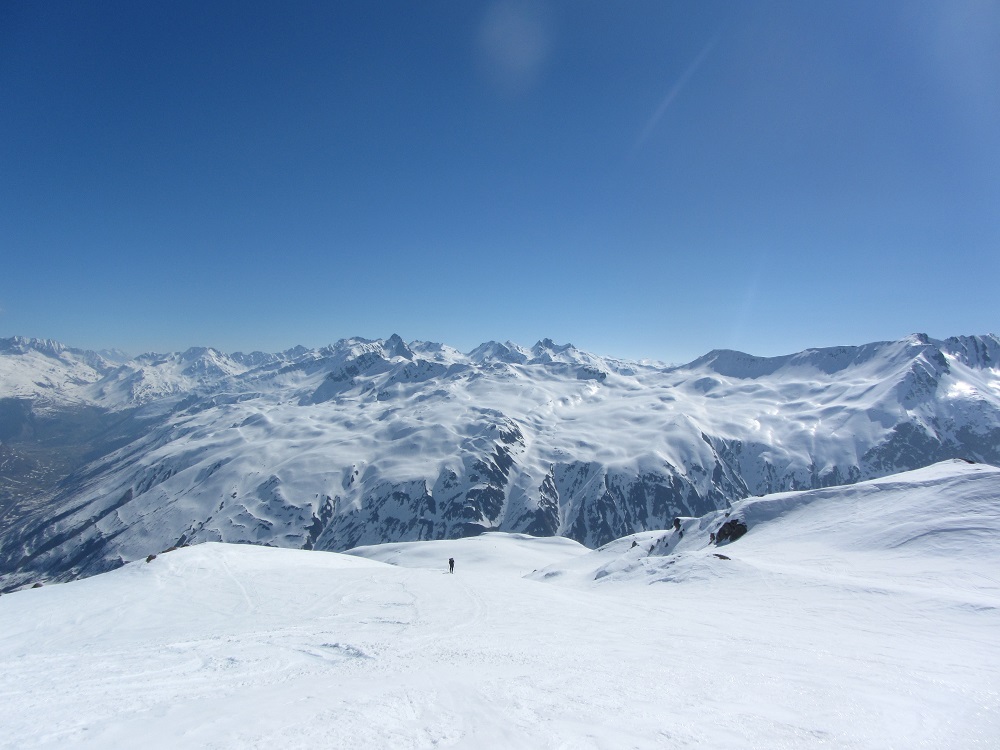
849,617
364,442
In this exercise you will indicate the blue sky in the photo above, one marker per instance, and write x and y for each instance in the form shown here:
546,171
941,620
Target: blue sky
642,179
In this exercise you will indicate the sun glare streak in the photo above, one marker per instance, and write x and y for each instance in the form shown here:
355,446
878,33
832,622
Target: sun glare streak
675,90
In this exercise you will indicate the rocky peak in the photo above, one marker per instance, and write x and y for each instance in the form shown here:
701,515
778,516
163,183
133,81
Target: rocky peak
396,347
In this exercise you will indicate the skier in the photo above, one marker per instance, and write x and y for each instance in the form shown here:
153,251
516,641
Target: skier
451,564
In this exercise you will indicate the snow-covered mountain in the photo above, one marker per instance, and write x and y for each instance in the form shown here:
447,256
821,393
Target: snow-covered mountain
365,442
48,372
848,617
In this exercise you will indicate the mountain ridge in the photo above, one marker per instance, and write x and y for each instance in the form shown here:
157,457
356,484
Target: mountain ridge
368,441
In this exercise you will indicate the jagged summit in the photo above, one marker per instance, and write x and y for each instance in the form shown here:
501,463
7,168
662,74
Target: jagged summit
975,351
394,347
548,351
21,344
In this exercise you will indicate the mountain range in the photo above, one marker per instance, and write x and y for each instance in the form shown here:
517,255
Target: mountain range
105,459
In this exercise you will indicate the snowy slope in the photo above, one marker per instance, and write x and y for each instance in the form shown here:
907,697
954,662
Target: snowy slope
369,441
862,617
48,372
937,525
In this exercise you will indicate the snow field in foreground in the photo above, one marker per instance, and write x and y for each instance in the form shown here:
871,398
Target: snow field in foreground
856,617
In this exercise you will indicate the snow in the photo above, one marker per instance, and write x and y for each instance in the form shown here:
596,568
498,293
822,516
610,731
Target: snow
853,617
368,441
45,370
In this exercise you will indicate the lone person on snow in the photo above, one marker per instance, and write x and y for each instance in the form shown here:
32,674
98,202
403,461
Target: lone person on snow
451,564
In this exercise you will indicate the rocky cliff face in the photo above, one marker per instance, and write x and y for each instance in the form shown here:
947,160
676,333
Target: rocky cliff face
378,441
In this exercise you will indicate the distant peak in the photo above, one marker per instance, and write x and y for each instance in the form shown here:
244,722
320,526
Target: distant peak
199,351
550,346
494,351
26,342
396,347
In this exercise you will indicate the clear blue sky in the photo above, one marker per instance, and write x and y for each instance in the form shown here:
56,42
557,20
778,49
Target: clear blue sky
642,179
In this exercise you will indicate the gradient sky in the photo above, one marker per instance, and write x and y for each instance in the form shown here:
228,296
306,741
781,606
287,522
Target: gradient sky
642,179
